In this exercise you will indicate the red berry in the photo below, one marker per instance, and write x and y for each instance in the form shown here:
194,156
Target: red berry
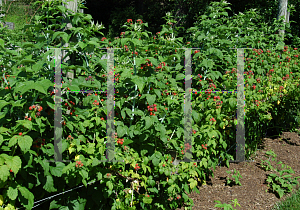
10,170
20,133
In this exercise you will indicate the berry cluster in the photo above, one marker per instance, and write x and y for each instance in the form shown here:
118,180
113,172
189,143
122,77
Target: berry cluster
136,167
212,85
204,147
79,164
217,97
251,72
286,77
258,80
69,108
96,103
151,109
212,119
187,147
146,64
160,66
257,102
200,76
29,118
39,143
70,138
37,107
120,141
196,51
136,53
89,78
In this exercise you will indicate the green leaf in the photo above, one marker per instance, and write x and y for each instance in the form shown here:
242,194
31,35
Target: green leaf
155,161
232,102
91,148
153,61
4,173
3,104
109,185
193,183
12,193
203,162
157,92
149,122
84,174
121,130
13,141
25,142
185,197
195,115
150,99
57,170
14,163
208,64
139,81
49,186
170,189
186,188
2,43
147,200
28,203
123,114
180,76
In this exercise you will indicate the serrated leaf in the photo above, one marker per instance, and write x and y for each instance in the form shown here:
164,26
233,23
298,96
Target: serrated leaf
147,200
121,130
28,203
2,43
180,76
12,193
57,170
84,174
25,142
4,172
148,122
232,102
14,163
91,148
193,183
13,141
150,99
139,81
49,186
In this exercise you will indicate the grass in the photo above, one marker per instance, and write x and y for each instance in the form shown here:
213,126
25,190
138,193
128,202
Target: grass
290,203
17,13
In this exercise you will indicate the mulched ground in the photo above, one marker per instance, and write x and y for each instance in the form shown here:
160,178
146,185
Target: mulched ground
252,194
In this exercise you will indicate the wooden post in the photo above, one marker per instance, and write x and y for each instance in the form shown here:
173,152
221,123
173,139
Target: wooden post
72,5
1,8
282,11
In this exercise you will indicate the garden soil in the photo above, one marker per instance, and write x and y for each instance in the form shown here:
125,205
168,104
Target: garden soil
252,193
